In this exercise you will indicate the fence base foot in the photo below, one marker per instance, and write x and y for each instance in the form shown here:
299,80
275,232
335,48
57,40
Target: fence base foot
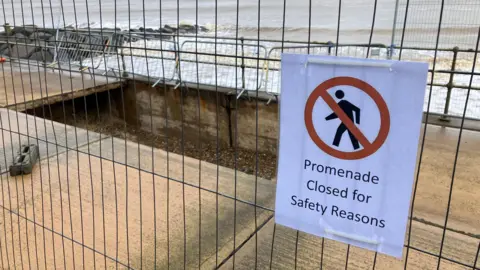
25,160
157,82
241,93
271,98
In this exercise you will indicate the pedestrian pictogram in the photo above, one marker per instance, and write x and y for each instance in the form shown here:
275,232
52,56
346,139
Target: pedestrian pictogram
349,109
349,115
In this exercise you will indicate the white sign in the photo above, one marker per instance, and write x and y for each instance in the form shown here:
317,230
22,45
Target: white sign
349,133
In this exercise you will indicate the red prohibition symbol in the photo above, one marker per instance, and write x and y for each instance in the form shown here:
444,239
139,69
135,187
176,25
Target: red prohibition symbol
368,147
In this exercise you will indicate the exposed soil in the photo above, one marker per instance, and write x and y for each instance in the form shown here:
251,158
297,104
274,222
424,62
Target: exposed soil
208,150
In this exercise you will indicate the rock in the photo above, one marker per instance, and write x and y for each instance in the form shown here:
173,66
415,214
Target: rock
41,36
143,30
52,41
5,49
32,26
108,29
39,43
18,35
201,28
166,31
18,38
44,56
23,51
187,28
26,31
52,32
169,28
8,51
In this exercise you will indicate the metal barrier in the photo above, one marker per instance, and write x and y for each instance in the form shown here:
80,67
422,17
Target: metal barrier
224,64
185,59
273,67
236,61
151,58
80,49
273,79
71,50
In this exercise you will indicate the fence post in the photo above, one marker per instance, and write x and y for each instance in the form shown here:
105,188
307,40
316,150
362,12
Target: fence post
394,27
330,46
243,64
124,67
176,48
390,51
449,86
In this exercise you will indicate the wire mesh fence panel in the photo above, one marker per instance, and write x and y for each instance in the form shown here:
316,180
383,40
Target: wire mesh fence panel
234,65
155,58
164,156
421,17
273,79
273,66
83,50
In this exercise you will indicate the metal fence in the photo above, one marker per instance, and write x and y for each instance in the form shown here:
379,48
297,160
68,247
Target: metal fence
196,58
157,147
421,19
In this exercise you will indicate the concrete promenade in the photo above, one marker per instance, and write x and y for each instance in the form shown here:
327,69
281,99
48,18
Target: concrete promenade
26,86
92,188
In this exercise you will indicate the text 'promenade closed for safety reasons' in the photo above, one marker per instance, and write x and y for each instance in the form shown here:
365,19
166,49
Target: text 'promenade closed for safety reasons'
349,132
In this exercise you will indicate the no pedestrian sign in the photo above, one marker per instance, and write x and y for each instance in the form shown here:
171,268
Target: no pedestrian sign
349,132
